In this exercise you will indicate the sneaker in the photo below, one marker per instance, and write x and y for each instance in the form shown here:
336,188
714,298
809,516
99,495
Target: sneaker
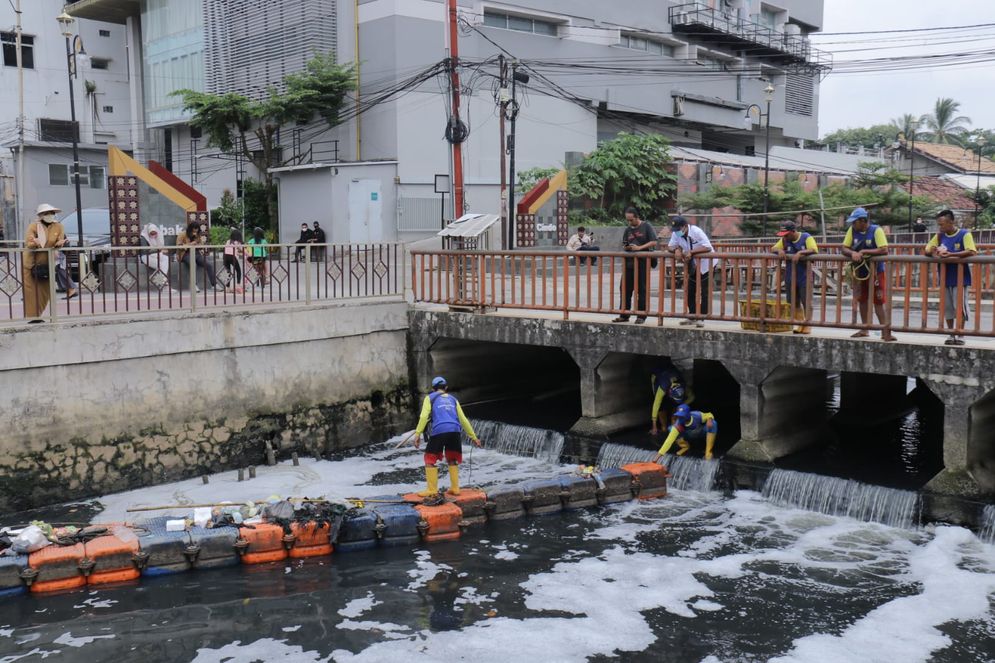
640,320
951,340
687,322
621,318
700,324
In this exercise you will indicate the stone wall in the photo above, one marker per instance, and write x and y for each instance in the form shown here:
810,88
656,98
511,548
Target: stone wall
102,406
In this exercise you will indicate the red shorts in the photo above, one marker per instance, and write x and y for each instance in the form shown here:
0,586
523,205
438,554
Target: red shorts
448,445
861,288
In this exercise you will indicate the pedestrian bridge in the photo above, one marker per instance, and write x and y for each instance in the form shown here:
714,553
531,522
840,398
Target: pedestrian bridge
531,320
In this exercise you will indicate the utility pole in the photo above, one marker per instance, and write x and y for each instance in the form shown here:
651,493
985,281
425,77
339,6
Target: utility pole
455,126
503,101
512,212
19,208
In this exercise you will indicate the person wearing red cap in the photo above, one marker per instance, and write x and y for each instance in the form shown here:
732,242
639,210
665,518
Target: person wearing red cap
793,246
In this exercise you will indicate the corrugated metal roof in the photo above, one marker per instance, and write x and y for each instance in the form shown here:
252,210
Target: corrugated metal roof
469,225
782,158
970,182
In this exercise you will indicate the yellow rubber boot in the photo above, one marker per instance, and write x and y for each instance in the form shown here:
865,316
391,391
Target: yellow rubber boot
802,328
683,447
453,480
432,479
709,445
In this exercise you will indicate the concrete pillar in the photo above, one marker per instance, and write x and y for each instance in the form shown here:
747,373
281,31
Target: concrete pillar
886,394
614,390
781,413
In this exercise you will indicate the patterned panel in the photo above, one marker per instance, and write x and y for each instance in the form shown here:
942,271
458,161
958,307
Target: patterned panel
525,226
202,218
562,222
126,226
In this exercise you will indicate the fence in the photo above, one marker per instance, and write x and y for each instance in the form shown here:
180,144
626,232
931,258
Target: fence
741,287
125,280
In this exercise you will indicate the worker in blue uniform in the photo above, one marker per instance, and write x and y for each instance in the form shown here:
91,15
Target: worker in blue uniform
443,411
690,426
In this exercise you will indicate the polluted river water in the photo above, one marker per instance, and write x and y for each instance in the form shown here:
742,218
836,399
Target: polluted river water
698,576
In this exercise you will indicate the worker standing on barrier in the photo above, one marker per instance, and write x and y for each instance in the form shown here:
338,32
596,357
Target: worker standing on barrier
670,390
690,426
447,420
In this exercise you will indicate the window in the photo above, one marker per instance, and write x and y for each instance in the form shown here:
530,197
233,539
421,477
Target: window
58,174
57,131
108,109
105,33
768,18
520,23
710,62
99,63
9,40
648,45
96,177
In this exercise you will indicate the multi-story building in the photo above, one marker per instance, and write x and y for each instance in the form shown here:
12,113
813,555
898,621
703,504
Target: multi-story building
688,70
103,109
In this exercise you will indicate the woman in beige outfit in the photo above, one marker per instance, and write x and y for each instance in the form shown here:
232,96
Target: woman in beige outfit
43,233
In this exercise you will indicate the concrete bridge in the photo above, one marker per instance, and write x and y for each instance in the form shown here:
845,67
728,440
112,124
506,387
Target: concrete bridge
769,391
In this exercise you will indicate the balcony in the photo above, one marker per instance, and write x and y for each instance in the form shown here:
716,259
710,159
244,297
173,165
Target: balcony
711,25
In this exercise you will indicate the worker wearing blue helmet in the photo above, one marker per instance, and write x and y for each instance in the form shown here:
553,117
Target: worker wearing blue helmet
690,426
447,421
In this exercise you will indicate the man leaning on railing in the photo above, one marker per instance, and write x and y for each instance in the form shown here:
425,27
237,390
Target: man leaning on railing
952,245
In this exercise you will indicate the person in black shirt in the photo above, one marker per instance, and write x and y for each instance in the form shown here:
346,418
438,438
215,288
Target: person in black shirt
304,239
318,237
639,236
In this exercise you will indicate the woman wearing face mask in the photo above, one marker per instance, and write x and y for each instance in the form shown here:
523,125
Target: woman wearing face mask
45,232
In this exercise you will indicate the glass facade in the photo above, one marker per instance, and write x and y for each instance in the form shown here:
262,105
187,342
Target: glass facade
173,47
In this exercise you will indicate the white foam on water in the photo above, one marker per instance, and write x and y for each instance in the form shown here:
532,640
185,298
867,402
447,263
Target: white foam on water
318,478
6,631
41,653
506,555
425,570
265,649
371,626
291,629
906,629
357,607
96,603
68,640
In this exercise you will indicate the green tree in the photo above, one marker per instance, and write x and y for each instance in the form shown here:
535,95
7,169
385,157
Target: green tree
627,170
943,125
527,179
907,124
232,120
228,213
873,137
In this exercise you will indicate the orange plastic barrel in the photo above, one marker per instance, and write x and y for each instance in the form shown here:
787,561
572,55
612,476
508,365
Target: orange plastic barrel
441,522
113,557
264,543
310,540
650,478
58,568
471,502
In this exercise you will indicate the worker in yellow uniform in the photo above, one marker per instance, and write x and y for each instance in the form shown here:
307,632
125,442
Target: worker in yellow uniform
670,389
447,419
690,425
794,245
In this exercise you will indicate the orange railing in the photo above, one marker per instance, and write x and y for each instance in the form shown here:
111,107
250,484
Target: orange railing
742,287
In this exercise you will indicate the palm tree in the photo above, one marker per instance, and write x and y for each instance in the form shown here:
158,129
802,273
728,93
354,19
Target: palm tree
907,124
943,124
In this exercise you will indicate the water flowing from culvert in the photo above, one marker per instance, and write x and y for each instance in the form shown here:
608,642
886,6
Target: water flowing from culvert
842,497
536,443
686,473
988,524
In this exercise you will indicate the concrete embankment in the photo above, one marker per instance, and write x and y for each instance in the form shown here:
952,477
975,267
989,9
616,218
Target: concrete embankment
100,406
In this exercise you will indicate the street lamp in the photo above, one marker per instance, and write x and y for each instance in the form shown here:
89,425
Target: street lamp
748,123
74,46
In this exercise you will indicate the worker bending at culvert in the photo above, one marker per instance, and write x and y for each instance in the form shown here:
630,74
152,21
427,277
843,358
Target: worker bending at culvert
690,425
669,391
447,418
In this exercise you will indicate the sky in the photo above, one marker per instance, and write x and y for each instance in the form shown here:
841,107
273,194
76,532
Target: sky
863,99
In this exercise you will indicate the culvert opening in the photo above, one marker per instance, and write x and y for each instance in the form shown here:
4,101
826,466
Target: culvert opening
981,445
884,430
522,385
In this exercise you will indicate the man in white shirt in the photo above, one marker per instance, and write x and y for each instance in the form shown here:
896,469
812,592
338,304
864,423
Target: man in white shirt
581,241
686,243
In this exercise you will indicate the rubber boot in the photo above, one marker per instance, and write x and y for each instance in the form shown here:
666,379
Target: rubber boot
453,480
432,479
709,445
802,328
683,447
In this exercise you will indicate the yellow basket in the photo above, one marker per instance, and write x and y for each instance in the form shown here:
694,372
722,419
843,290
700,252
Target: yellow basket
752,309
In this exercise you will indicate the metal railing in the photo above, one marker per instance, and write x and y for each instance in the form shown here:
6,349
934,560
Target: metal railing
129,279
701,17
742,287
